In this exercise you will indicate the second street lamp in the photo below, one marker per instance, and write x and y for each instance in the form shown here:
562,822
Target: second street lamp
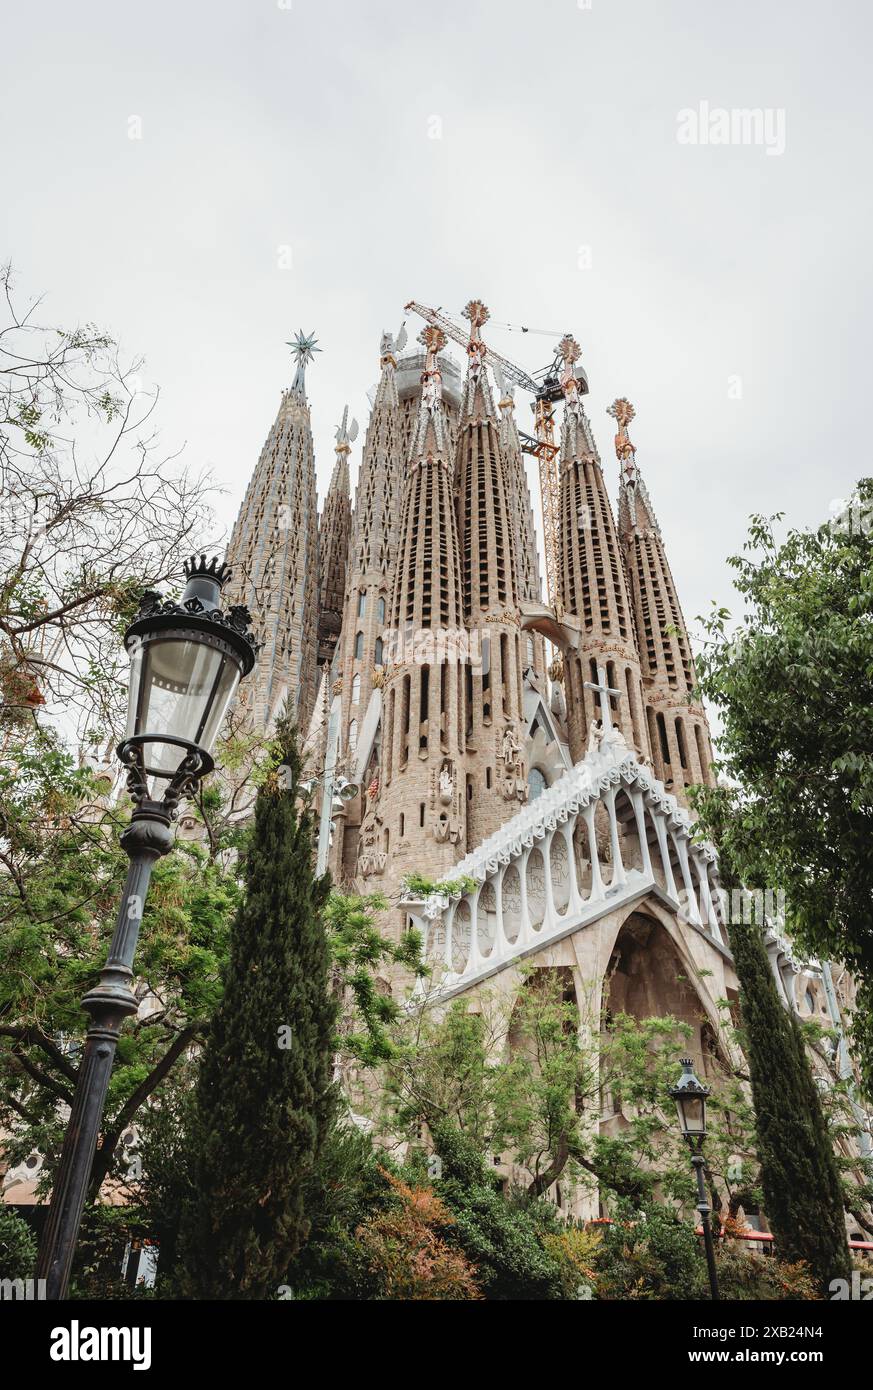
186,660
690,1097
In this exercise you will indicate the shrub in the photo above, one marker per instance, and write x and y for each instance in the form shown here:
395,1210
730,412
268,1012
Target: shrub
407,1253
17,1246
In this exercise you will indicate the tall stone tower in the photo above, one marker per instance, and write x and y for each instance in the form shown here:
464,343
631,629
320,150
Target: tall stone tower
491,569
334,535
592,585
676,722
523,529
273,554
369,590
417,814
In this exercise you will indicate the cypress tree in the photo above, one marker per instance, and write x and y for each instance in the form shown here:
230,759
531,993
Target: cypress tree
264,1095
802,1191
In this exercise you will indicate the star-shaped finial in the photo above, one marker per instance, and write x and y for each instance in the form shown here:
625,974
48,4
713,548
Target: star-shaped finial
302,347
621,411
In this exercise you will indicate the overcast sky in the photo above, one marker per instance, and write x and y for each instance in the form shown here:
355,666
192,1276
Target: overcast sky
724,289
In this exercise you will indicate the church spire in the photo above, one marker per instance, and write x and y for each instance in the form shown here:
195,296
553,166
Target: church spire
418,804
491,579
368,596
333,544
677,724
302,349
273,554
592,584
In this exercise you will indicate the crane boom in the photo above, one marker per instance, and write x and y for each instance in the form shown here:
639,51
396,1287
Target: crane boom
545,392
458,335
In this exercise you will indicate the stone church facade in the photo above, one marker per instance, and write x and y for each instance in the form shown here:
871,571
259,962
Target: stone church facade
527,762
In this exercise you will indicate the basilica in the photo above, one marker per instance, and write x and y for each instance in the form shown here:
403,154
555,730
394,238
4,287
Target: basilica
516,755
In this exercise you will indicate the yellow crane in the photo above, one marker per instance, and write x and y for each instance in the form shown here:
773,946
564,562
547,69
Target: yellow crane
546,386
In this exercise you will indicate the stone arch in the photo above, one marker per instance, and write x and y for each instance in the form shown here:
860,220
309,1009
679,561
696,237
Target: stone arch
651,975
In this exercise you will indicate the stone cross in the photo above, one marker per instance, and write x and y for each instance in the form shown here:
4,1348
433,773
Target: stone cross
604,691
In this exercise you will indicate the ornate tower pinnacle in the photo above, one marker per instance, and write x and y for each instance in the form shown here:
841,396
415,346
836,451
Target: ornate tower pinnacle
433,340
366,614
491,569
419,806
273,552
302,349
593,586
677,725
334,534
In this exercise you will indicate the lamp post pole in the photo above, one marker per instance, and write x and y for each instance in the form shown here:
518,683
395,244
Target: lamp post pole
698,1162
186,661
690,1096
147,838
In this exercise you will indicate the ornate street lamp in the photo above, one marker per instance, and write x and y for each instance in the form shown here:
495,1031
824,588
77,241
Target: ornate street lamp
690,1096
186,661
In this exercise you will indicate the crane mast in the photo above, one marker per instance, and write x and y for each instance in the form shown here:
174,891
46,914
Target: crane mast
546,387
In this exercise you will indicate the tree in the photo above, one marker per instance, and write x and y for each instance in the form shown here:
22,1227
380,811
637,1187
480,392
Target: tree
803,1196
264,1093
358,950
58,896
793,686
17,1246
92,513
407,1251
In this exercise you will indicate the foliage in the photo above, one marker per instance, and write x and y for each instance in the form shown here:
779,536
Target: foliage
91,514
745,1273
59,894
802,1192
358,950
530,1085
345,1188
501,1238
264,1093
406,1249
17,1246
648,1253
100,1247
419,886
575,1251
792,683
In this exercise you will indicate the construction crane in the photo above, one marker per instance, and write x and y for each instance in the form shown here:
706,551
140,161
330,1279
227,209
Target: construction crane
546,386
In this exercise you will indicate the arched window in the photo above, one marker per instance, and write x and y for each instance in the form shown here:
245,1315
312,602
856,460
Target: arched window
379,651
536,784
380,611
353,735
530,651
362,604
359,646
356,690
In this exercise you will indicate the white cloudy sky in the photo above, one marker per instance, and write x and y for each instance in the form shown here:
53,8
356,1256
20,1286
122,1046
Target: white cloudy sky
306,124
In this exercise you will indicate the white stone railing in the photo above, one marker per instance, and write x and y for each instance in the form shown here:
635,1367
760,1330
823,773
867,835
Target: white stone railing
535,885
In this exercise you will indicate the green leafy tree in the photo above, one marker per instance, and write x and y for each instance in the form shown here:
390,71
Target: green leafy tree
17,1246
360,952
264,1094
502,1239
792,683
803,1196
58,897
